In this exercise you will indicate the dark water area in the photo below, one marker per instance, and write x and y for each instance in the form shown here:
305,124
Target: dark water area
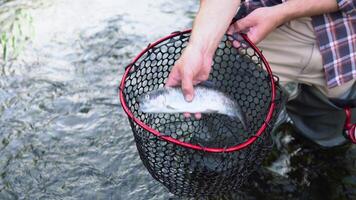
63,134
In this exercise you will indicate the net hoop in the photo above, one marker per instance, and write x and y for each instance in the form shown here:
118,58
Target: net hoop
169,139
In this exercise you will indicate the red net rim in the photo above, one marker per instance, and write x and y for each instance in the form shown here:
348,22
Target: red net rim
237,147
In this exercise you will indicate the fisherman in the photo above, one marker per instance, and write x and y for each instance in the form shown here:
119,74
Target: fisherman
310,42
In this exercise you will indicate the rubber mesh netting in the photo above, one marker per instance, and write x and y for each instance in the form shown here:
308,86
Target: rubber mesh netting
237,72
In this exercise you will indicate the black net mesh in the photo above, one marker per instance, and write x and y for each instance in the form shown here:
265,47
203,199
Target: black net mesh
239,73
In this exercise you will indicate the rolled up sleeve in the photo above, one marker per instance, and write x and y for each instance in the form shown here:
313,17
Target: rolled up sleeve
250,5
347,6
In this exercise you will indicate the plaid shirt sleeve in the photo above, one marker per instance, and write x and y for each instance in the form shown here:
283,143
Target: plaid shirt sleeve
335,35
347,6
250,5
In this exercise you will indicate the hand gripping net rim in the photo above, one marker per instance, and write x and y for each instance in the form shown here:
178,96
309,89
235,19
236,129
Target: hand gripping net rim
169,139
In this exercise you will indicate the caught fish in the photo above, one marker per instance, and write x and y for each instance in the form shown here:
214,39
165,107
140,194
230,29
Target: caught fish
206,100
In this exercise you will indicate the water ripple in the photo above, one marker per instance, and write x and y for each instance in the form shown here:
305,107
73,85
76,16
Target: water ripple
63,134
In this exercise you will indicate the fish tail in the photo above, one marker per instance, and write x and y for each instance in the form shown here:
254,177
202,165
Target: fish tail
242,117
238,113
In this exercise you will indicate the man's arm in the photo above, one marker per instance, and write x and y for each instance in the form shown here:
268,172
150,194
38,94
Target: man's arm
293,9
210,24
259,23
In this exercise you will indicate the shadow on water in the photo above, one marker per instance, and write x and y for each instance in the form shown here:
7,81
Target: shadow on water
63,134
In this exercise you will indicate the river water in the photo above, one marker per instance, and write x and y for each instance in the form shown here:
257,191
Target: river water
63,134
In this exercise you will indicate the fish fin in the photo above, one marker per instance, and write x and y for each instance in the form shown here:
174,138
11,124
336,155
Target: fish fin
170,107
242,118
244,123
238,113
211,111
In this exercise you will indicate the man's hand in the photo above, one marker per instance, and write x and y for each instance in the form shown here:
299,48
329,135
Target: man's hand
190,69
210,24
194,65
259,23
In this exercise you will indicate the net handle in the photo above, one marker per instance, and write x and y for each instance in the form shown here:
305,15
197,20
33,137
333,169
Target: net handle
237,147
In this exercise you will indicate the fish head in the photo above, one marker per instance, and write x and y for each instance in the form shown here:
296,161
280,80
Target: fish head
152,102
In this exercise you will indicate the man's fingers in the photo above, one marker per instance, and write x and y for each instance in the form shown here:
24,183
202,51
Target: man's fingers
186,115
187,87
253,37
256,34
196,82
243,25
173,78
231,29
197,115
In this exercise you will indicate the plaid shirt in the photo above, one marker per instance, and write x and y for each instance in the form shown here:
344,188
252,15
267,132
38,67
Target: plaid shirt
336,37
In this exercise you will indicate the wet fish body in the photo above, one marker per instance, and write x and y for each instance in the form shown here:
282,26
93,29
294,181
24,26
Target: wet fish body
206,100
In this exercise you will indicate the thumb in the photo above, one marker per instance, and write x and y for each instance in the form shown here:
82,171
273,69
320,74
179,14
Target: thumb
243,24
256,34
187,87
173,78
254,38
